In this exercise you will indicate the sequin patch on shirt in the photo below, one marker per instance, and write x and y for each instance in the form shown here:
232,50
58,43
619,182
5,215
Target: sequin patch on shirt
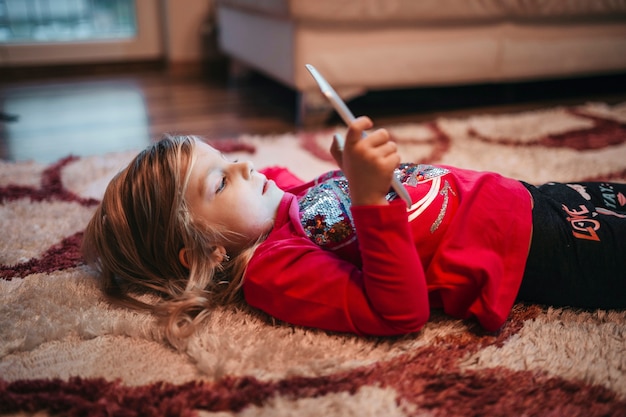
325,212
412,174
325,208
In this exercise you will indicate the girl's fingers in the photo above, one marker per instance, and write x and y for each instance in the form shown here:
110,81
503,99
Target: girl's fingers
379,137
356,128
391,147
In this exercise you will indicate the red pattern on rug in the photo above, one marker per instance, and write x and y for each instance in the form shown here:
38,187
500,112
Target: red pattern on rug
51,187
428,377
438,141
63,255
232,145
604,133
497,392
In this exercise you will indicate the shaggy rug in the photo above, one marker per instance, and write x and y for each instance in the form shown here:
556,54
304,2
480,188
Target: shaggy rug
65,351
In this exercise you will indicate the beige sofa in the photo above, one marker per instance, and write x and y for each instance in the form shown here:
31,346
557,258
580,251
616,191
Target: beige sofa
361,45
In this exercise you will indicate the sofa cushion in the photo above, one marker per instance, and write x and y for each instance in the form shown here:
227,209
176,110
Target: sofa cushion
432,11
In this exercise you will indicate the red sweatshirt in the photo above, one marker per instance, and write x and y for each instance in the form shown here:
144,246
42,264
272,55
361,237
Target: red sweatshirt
377,270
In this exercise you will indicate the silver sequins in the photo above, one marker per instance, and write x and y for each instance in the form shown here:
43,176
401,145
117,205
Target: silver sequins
413,174
325,212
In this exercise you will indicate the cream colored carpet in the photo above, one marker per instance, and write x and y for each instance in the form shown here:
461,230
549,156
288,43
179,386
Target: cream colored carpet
64,351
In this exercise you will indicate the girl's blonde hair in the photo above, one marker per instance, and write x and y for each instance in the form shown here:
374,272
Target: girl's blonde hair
138,230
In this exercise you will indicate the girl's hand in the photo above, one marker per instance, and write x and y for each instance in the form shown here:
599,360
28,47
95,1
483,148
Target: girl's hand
368,163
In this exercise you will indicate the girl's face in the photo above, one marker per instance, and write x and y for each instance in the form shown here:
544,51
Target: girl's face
232,195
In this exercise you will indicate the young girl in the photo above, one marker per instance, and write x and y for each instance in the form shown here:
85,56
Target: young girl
343,252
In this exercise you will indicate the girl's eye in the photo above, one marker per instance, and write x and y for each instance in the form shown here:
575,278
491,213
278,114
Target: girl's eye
221,185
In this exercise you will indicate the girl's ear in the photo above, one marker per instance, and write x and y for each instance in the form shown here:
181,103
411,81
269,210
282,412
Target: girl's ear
182,257
220,254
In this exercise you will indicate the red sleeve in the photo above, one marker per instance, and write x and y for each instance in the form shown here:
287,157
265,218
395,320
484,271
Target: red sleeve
294,280
393,275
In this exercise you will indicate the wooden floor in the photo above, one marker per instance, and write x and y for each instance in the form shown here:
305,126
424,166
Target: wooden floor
47,118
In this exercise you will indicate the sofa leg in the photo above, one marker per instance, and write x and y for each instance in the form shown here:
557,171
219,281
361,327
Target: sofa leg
238,72
312,108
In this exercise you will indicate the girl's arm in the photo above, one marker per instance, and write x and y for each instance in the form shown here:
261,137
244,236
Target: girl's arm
294,280
385,241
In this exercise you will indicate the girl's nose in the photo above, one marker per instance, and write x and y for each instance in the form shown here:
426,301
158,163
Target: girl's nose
246,168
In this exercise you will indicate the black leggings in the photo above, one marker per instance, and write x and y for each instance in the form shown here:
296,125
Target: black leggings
578,251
